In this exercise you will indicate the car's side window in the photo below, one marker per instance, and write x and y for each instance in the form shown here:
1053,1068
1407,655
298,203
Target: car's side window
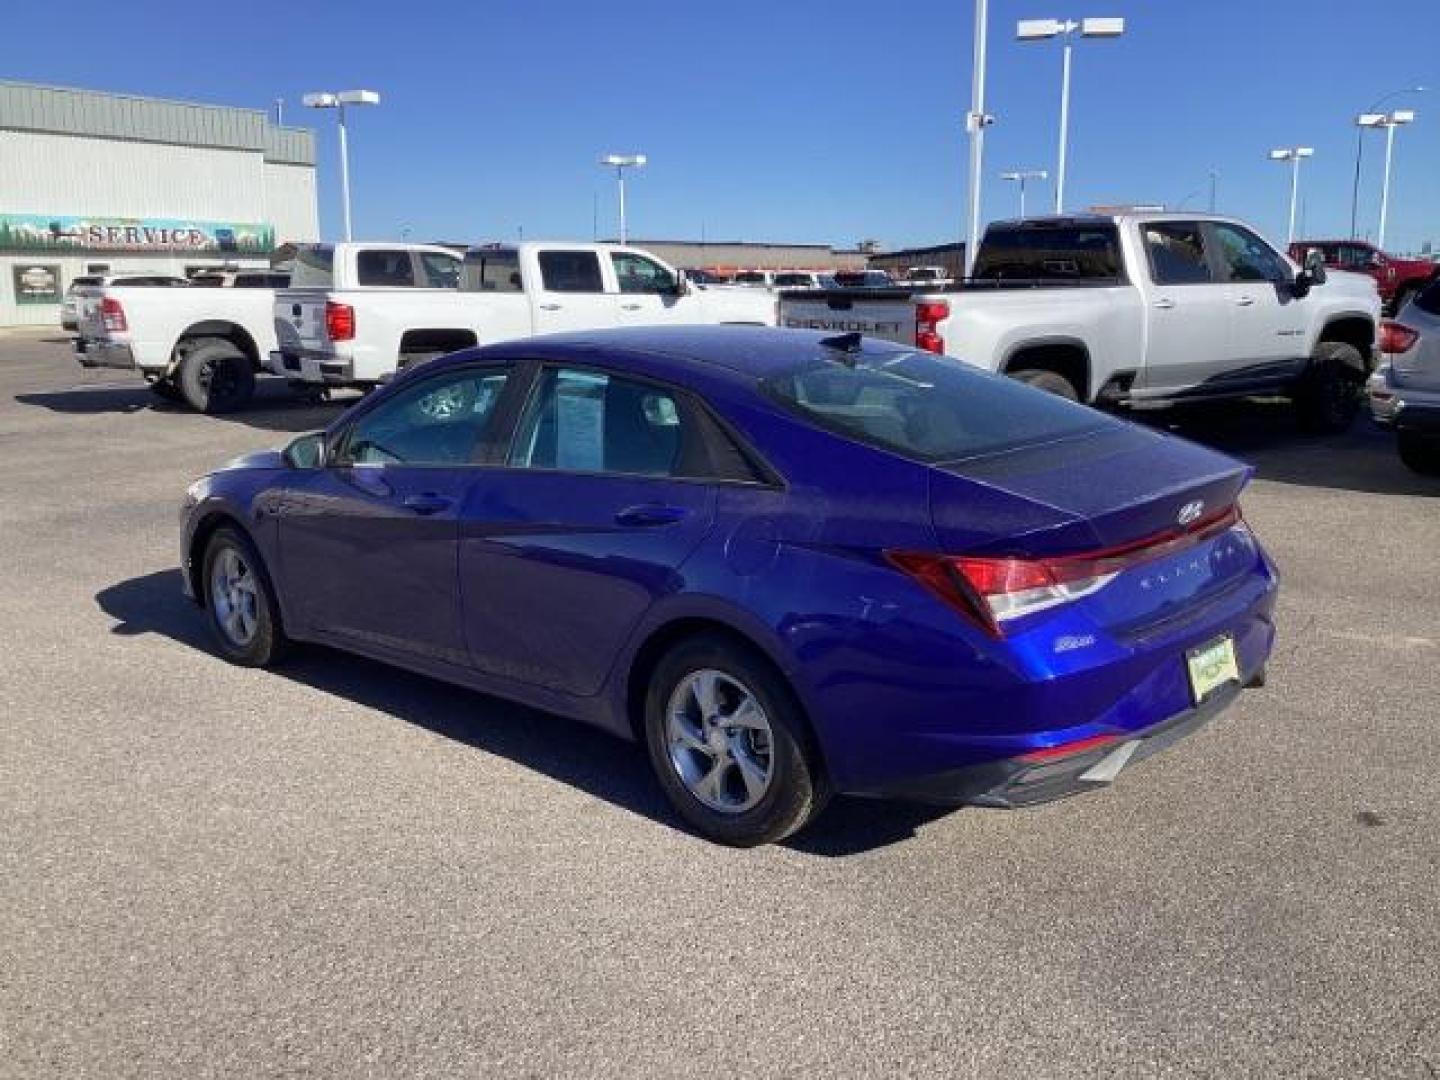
1177,253
1248,258
439,271
638,274
571,271
580,420
438,421
385,268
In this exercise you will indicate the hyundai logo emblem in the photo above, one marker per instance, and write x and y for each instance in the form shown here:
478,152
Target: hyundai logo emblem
1190,512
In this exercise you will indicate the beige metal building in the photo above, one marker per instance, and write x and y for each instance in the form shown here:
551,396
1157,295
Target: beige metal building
95,183
730,255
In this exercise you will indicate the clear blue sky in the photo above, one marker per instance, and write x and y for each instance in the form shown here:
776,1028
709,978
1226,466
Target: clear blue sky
805,120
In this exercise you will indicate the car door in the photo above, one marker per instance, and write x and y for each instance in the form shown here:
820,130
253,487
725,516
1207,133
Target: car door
369,542
561,553
1188,311
649,293
571,292
1267,320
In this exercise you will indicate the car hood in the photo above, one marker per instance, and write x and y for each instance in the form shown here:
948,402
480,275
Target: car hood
260,459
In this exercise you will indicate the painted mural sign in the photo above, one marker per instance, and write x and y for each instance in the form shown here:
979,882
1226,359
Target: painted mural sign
62,232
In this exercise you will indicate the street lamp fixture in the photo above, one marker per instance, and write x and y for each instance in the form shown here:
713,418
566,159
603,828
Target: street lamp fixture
339,101
1389,121
1044,29
1360,126
621,162
1294,155
1020,176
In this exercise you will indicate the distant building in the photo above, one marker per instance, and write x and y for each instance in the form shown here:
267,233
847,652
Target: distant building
727,256
96,183
950,256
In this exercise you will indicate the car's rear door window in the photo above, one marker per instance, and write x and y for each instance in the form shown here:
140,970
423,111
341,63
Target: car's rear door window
571,271
439,271
383,268
1177,253
925,407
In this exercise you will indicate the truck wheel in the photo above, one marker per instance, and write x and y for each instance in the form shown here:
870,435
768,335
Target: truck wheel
216,377
1051,382
1328,395
1420,453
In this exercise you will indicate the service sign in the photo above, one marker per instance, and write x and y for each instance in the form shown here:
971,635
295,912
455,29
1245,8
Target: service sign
61,232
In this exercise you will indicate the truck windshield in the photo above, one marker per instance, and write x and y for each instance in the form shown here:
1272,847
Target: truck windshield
314,267
1064,253
925,407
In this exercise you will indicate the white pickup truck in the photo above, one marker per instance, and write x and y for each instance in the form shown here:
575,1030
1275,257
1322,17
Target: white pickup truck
203,346
1136,309
330,335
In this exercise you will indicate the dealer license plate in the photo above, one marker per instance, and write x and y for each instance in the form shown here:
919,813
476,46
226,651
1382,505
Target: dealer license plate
1212,666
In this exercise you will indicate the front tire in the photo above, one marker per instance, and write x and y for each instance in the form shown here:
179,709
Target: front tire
243,614
1420,453
216,377
166,390
1328,396
730,745
1052,382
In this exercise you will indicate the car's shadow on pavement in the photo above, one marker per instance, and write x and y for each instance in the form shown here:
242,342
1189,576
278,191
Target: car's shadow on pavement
1264,433
565,750
275,406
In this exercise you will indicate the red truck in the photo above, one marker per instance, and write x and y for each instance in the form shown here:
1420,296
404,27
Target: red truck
1397,279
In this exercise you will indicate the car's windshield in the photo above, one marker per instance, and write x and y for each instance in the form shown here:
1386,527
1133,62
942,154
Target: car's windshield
926,407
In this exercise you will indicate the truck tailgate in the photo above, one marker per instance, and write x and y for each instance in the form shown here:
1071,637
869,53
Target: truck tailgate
300,320
888,314
89,323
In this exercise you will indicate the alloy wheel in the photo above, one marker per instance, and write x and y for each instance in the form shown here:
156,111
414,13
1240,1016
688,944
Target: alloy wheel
234,597
720,741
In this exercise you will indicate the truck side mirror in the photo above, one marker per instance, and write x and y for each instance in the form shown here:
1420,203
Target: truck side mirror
1315,266
682,284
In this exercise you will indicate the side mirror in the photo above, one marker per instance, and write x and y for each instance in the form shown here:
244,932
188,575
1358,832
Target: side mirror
306,451
1315,266
682,284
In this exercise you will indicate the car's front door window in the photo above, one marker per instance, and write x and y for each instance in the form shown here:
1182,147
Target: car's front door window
1245,257
438,421
637,274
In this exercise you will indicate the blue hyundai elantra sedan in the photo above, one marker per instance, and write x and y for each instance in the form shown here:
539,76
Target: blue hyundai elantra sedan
790,565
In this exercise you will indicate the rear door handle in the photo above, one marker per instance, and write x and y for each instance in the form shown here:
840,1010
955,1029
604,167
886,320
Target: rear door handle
1245,301
549,307
1164,303
427,503
650,514
630,307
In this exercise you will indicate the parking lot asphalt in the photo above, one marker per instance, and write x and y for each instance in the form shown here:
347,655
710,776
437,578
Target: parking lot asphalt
337,869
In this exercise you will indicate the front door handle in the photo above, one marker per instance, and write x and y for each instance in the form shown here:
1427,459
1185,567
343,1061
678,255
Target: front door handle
650,514
630,307
427,503
1245,301
549,307
1164,303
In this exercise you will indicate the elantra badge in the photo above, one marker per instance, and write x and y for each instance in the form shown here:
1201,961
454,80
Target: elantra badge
1190,512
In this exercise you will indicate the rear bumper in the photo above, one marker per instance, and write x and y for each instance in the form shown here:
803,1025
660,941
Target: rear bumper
1015,782
104,354
320,369
1403,408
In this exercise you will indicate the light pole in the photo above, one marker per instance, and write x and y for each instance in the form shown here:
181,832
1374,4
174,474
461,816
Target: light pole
1043,29
976,121
1294,155
621,162
338,101
1360,150
1389,121
1022,175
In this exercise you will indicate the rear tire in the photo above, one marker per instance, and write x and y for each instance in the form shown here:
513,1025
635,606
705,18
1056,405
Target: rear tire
1328,395
730,745
243,614
1052,382
1420,453
216,377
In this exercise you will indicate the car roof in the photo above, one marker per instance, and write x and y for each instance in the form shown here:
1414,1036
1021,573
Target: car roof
747,352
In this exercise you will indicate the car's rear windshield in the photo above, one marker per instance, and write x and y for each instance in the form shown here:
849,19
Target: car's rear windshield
1069,252
314,267
1428,298
926,407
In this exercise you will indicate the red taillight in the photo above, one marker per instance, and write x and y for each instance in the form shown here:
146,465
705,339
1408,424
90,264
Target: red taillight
1078,746
1397,337
991,590
112,315
928,317
339,321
